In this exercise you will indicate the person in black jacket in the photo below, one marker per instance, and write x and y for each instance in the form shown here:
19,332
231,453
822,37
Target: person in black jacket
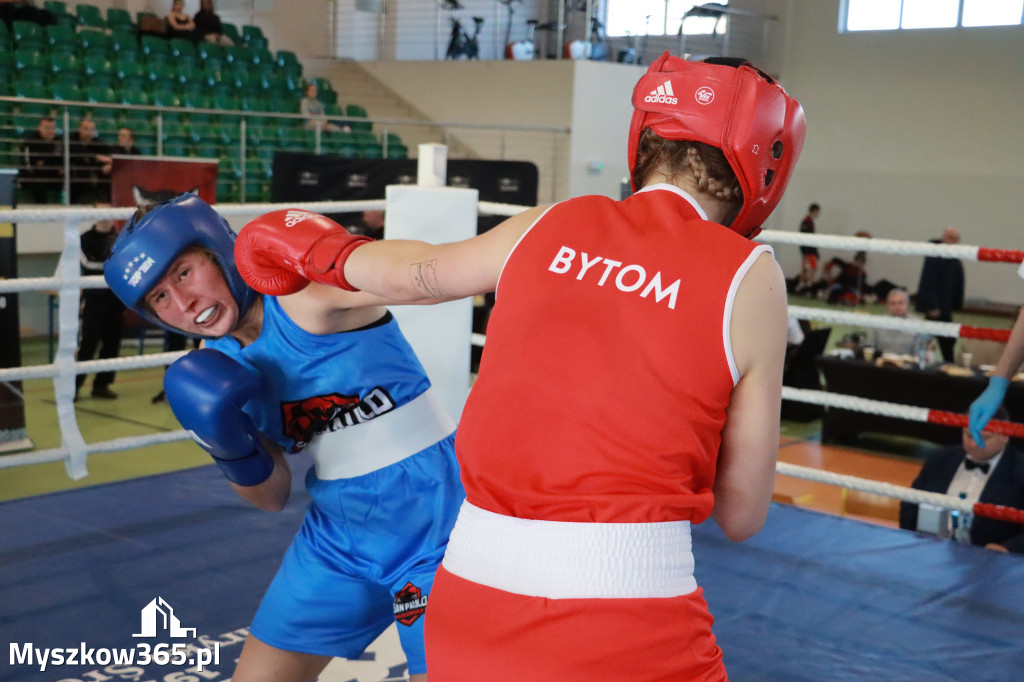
90,159
993,474
940,290
102,311
43,161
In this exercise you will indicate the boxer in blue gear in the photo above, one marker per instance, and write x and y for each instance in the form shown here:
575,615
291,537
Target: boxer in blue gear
326,372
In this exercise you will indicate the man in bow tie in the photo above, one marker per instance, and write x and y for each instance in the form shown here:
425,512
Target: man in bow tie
993,474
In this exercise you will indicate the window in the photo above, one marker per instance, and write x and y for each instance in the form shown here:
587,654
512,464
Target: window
663,17
888,15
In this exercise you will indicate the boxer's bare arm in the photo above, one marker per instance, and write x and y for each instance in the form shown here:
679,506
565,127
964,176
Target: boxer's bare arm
411,271
750,440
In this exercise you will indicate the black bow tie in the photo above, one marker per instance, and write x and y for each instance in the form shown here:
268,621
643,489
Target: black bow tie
971,464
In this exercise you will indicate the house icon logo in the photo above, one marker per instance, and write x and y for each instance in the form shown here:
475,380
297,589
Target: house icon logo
159,614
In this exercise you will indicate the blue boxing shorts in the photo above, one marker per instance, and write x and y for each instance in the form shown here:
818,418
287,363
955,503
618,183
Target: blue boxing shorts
365,557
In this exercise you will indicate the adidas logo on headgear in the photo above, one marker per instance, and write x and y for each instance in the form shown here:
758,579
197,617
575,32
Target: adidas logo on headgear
293,218
662,95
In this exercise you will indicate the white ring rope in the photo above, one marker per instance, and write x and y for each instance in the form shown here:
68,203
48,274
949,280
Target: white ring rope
855,404
877,487
906,324
892,246
69,283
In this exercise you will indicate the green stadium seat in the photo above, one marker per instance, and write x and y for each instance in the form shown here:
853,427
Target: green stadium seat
207,51
103,80
237,53
56,7
124,40
57,34
286,57
261,56
119,17
31,57
96,64
155,45
67,77
67,92
181,46
94,93
258,44
397,151
136,119
358,112
249,32
106,125
93,42
90,16
130,69
371,151
231,31
25,33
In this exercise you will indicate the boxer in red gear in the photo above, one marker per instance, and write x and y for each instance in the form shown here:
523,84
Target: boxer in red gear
630,386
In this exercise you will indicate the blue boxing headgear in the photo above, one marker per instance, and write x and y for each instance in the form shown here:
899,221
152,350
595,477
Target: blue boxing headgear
148,246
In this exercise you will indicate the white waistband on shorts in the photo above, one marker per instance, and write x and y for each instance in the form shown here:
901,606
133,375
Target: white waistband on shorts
379,442
564,560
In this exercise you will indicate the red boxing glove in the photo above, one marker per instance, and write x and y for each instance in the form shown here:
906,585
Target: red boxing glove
281,252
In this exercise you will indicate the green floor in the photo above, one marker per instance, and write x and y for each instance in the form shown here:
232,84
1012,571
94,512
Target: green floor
134,414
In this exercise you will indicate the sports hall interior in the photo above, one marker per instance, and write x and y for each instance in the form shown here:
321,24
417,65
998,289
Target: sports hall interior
909,131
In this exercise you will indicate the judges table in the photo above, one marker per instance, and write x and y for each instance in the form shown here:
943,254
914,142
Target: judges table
930,388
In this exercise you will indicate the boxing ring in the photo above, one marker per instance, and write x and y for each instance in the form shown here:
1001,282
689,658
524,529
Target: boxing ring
811,597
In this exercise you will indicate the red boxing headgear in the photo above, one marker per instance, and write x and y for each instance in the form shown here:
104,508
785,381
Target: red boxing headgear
738,109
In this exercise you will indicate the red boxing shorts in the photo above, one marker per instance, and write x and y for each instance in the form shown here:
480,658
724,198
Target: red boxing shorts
474,632
519,599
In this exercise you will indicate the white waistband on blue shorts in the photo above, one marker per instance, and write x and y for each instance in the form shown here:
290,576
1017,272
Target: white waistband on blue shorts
379,442
564,560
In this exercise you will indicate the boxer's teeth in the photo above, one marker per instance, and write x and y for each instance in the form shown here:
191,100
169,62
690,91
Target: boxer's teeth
206,314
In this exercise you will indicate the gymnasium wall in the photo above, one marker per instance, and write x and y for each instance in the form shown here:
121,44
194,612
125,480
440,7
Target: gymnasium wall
908,132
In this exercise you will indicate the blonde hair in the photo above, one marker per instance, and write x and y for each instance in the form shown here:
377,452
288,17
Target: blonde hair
705,164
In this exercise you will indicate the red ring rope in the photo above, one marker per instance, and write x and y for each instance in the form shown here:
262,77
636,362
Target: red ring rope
999,512
1000,255
968,332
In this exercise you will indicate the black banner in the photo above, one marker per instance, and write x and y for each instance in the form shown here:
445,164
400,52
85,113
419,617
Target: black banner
309,177
12,404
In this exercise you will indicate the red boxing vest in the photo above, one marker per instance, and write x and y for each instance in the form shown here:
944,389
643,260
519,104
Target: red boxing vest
607,368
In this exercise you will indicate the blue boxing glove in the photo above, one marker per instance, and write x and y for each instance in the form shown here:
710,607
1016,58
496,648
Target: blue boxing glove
206,390
985,406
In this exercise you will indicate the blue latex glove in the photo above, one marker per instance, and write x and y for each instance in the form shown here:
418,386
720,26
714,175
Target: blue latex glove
985,406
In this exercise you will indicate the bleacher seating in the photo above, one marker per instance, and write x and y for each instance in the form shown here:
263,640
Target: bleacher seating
107,60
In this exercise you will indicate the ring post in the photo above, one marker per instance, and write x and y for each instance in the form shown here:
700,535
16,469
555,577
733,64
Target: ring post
440,334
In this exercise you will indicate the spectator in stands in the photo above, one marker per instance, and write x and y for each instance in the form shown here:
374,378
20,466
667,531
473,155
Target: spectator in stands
25,10
102,310
43,161
316,116
125,147
992,474
846,281
808,254
940,290
896,340
208,25
89,157
180,24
